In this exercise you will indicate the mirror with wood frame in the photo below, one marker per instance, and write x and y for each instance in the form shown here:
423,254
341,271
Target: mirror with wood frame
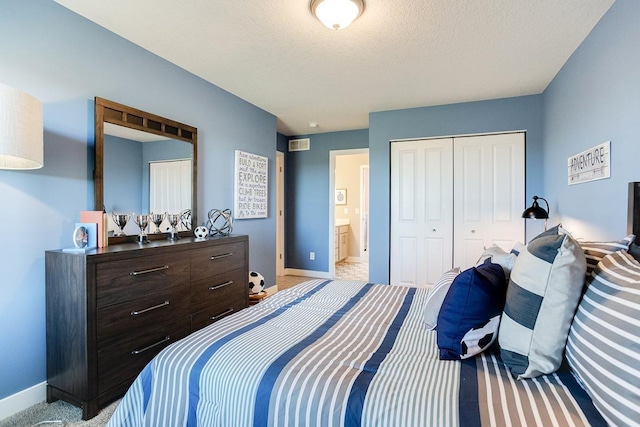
144,164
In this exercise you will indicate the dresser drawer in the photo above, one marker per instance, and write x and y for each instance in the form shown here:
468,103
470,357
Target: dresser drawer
212,314
213,260
140,316
219,292
142,277
125,360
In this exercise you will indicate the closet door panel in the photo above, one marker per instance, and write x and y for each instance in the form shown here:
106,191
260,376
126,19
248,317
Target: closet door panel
421,171
489,194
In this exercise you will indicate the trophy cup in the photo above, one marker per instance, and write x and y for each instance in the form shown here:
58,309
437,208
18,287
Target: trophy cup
157,219
173,222
121,221
142,221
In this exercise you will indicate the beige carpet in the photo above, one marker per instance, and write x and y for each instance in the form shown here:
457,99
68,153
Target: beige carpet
58,413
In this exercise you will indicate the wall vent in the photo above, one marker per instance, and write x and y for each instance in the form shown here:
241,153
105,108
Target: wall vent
299,144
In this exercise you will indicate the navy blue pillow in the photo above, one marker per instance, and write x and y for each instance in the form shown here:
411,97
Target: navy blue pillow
475,296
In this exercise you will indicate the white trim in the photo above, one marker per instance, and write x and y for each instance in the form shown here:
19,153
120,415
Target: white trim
271,290
308,273
21,400
332,213
280,234
465,135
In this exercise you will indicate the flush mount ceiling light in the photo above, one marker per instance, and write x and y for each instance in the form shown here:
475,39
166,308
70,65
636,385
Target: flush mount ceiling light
337,14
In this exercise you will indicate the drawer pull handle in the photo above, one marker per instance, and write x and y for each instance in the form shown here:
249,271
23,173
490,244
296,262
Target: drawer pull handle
224,313
222,285
215,257
135,313
151,270
142,350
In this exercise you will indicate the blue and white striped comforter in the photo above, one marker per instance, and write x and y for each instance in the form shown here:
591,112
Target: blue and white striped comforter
338,353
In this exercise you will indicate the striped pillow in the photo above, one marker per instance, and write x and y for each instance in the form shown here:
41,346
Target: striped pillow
603,347
543,293
595,251
436,297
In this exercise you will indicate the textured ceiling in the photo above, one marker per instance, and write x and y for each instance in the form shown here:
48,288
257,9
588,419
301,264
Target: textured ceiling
398,54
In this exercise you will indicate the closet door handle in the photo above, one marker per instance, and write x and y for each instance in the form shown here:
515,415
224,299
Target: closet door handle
222,285
224,313
215,257
142,350
151,270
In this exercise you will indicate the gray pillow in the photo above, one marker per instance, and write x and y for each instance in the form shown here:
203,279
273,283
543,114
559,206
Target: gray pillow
604,340
595,251
542,296
436,297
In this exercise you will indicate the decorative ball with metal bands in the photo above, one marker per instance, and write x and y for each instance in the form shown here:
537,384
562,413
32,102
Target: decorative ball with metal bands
220,222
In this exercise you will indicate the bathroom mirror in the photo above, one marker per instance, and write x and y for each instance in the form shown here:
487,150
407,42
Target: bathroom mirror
145,164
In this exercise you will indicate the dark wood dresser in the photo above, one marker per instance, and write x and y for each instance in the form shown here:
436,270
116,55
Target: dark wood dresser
110,310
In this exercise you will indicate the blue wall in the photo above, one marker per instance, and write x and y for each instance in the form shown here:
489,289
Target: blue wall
123,170
65,61
522,113
596,98
307,197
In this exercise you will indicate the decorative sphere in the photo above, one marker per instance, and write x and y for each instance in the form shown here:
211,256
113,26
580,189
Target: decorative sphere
220,221
201,232
256,282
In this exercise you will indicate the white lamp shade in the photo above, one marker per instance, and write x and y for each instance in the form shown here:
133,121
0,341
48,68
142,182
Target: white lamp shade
21,131
337,14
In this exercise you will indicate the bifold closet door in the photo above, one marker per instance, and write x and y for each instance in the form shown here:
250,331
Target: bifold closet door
421,211
489,178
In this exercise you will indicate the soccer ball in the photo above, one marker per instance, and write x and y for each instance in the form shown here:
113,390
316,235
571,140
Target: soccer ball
256,282
480,338
200,232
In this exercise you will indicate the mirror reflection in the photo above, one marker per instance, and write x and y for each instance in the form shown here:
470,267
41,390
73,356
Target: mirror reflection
146,173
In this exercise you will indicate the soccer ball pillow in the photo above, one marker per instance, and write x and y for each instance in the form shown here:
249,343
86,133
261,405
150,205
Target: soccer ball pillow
256,282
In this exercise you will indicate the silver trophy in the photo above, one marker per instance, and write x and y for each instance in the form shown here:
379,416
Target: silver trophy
142,221
121,221
157,219
173,222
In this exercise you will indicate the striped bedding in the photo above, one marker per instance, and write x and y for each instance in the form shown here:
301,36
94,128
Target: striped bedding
339,353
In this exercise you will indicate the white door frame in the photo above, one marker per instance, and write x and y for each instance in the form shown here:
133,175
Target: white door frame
365,217
332,208
279,213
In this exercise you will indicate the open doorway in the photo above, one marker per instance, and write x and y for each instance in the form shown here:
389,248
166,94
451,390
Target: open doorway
349,214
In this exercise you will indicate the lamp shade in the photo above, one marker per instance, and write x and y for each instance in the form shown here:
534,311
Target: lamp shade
337,14
535,211
21,131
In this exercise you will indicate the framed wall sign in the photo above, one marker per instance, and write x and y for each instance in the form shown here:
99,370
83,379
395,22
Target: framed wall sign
341,196
251,186
590,165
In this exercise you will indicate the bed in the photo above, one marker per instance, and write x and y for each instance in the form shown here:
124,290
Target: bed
341,353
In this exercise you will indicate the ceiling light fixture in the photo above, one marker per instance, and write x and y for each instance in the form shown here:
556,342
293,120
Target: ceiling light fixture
337,14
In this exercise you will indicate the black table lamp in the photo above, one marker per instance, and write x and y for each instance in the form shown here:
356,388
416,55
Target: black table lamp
536,212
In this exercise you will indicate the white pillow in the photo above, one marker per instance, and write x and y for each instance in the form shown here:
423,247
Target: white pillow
436,297
499,256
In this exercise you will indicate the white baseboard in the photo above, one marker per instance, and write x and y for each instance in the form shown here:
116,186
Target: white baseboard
308,273
356,259
15,403
271,290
